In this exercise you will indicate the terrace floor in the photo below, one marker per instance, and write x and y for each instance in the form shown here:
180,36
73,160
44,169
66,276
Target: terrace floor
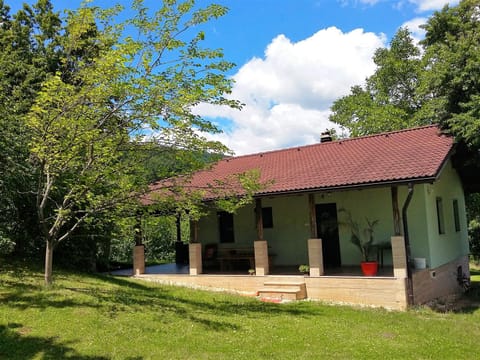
179,269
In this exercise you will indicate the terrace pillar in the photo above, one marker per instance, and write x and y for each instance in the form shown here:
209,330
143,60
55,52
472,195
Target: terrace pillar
139,249
399,257
315,257
261,258
194,250
139,259
259,218
397,224
313,216
195,255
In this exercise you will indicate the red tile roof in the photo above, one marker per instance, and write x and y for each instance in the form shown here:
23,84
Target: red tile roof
407,155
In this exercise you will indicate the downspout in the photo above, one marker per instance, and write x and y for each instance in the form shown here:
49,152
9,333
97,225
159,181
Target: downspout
408,254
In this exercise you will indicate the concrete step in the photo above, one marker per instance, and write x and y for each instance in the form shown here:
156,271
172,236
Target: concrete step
281,294
283,290
281,283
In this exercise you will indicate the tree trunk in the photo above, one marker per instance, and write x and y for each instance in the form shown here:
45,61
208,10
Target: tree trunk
48,262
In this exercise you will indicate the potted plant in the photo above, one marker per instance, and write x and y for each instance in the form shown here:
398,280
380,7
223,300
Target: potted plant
363,239
304,269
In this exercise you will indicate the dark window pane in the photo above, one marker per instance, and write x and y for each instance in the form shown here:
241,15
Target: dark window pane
267,217
440,220
456,216
225,224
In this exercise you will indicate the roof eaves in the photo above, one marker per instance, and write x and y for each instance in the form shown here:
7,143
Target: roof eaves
358,186
445,161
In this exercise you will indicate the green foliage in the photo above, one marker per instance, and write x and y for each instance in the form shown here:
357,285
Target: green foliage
158,234
452,63
473,216
438,85
28,52
389,99
304,269
362,238
248,183
6,245
409,88
87,124
474,238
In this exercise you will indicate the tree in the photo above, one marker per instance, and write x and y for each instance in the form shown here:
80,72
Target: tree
389,99
88,127
473,214
28,52
441,85
452,64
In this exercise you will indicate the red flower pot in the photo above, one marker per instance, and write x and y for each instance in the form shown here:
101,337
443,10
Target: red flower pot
369,268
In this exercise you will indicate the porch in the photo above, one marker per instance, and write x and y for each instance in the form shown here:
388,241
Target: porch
344,284
340,287
184,269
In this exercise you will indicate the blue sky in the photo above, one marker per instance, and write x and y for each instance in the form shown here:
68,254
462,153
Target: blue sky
294,58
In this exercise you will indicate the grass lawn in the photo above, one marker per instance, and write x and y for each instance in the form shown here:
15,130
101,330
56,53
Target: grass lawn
101,317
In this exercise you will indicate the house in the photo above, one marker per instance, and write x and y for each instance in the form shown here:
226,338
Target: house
404,180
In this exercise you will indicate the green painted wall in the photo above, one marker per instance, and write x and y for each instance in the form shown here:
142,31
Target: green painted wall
417,220
291,229
243,224
288,237
452,244
374,204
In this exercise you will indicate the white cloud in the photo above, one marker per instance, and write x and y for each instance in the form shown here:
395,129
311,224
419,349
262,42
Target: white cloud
429,5
288,92
414,27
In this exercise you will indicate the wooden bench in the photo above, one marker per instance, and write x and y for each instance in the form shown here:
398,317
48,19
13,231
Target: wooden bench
230,256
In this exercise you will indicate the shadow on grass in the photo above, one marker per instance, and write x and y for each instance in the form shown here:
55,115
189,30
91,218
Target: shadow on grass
244,307
15,343
113,295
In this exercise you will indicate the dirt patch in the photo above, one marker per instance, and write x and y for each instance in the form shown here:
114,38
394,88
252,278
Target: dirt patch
463,303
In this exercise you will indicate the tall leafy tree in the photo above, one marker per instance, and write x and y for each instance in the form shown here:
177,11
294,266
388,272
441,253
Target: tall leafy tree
389,100
452,65
28,52
88,124
439,85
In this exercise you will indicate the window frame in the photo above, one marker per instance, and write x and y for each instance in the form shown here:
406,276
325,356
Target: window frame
456,215
440,216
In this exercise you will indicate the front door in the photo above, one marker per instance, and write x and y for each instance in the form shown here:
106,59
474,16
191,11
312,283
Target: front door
327,230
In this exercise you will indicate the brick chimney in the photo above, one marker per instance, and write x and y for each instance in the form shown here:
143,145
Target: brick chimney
325,136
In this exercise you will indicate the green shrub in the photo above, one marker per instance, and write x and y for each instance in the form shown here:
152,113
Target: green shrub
6,245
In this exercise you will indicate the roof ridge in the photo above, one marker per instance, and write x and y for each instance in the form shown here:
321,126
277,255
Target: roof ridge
299,147
389,132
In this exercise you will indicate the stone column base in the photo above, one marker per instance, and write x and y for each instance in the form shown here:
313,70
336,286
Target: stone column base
399,257
315,257
195,255
261,258
139,260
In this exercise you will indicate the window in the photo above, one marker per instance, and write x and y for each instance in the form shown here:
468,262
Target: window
456,216
441,222
225,225
267,217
